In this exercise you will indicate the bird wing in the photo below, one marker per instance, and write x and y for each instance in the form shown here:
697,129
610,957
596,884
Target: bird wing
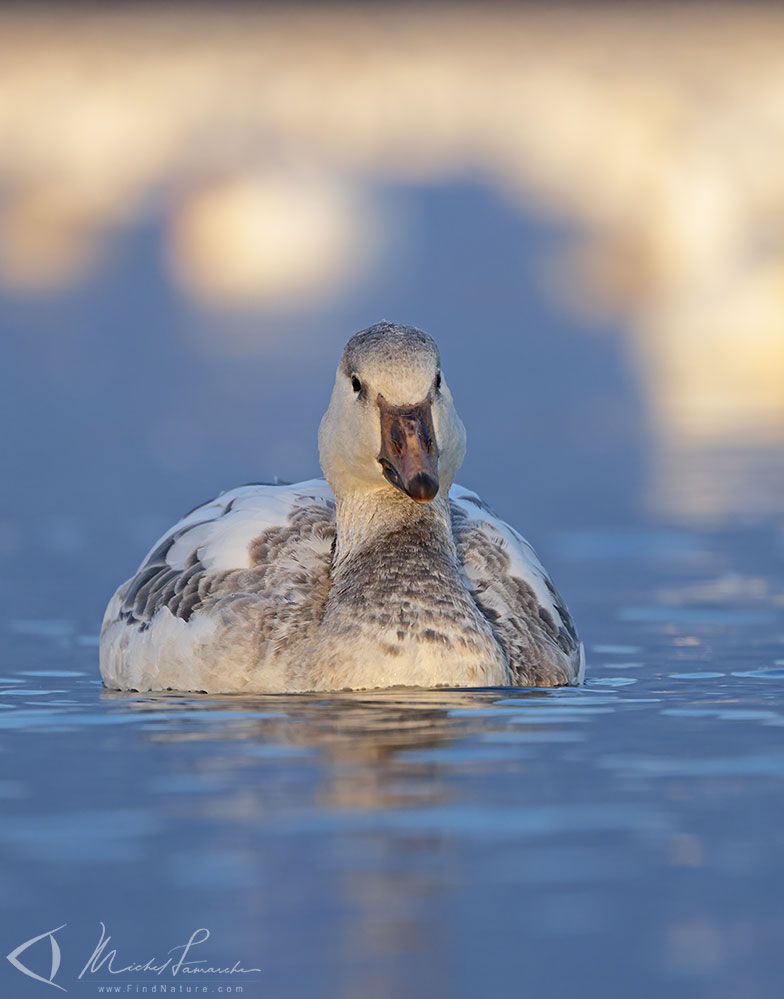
247,550
516,595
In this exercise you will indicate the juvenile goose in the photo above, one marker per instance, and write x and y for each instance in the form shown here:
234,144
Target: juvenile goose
382,573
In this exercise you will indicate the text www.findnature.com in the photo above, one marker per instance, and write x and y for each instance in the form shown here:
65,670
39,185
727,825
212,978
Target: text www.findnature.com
160,989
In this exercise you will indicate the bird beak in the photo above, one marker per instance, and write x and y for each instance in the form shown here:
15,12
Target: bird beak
409,455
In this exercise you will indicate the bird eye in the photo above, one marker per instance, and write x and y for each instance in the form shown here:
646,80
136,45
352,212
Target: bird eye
356,384
438,380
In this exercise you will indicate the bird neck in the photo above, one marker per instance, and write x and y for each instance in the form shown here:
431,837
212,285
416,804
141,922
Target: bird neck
367,519
400,609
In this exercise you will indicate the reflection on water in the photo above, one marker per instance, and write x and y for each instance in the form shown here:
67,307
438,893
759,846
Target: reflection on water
457,838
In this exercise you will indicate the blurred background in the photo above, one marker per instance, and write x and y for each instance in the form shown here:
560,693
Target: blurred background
199,204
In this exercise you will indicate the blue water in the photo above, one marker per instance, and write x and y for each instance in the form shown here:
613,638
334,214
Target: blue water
626,835
623,839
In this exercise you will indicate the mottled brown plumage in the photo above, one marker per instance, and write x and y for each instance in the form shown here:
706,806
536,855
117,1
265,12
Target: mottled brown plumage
295,588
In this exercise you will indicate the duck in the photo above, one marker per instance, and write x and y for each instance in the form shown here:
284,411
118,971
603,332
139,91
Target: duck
383,573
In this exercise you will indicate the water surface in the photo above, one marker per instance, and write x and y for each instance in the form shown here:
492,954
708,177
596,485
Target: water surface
625,837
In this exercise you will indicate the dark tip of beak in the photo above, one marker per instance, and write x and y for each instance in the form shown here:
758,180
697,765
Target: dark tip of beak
422,487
